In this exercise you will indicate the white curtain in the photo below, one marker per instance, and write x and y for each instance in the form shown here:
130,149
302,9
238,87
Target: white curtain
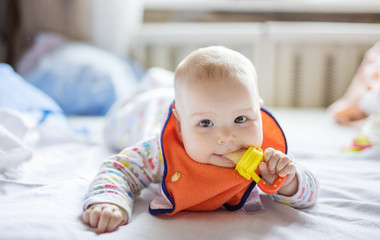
115,22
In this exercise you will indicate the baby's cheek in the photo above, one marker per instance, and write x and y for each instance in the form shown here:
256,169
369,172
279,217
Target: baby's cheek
250,137
196,153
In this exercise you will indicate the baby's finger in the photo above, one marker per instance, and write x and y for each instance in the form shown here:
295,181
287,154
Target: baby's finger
268,154
86,216
289,170
272,163
95,215
265,174
104,220
282,163
263,169
115,221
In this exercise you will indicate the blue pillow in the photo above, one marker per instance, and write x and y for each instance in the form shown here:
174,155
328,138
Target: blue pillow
16,93
83,79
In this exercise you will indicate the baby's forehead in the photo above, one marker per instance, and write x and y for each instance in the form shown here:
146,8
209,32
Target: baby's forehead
200,79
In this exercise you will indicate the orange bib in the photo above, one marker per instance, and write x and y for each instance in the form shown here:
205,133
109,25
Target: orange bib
193,186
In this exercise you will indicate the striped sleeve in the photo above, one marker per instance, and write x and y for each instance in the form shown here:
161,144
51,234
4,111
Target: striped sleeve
308,190
124,175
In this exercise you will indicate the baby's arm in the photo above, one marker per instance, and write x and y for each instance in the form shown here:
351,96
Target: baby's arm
119,181
300,188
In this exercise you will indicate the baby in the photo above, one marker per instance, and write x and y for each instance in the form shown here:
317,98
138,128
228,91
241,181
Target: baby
217,111
360,105
364,90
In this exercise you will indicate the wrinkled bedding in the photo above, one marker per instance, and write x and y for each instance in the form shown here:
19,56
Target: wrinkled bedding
41,198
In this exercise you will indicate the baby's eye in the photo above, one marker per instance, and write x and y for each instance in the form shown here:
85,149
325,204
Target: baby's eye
206,123
240,119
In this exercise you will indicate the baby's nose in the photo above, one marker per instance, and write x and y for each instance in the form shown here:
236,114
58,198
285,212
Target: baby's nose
225,136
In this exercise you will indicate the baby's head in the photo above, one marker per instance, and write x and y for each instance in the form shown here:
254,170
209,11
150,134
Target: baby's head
217,105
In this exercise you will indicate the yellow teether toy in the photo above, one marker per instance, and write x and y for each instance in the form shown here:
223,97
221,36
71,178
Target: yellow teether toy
249,162
248,165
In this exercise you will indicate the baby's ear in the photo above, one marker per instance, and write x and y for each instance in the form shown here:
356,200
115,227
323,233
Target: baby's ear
261,102
177,124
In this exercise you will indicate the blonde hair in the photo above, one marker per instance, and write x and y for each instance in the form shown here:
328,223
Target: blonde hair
215,63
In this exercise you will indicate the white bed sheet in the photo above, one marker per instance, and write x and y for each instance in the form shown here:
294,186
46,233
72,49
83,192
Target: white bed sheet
43,198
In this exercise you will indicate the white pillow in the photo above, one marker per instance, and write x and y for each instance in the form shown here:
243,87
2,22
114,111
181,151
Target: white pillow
12,150
14,127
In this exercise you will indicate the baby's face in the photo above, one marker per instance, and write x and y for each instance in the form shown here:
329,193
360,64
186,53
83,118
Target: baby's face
216,119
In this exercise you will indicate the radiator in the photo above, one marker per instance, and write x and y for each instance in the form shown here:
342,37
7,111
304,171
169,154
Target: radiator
298,64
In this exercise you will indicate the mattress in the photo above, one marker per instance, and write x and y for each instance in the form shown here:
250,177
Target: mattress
42,198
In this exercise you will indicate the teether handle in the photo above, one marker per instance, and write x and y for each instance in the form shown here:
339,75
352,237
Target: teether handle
270,189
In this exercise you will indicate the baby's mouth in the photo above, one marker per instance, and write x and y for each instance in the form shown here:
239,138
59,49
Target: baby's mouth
235,156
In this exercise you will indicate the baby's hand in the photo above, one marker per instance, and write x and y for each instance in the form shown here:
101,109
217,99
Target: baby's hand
105,217
276,164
